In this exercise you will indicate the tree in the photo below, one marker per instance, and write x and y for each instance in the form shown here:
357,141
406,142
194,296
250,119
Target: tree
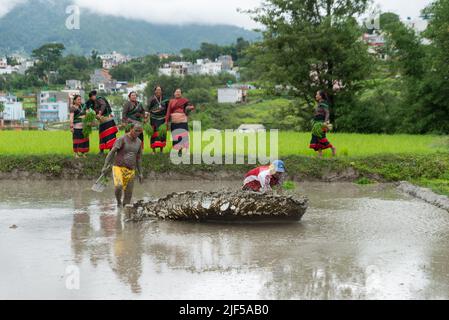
312,45
211,51
123,72
434,92
424,66
49,58
95,59
12,61
199,96
190,55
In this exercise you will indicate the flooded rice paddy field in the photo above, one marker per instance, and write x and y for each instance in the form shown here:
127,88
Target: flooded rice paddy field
355,242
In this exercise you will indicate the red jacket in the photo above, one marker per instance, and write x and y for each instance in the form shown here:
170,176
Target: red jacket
260,179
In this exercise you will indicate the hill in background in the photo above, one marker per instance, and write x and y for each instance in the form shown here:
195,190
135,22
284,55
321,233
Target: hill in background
36,22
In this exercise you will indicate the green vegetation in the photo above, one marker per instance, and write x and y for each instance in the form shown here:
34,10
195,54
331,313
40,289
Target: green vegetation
231,116
306,48
364,181
290,143
423,160
430,171
289,185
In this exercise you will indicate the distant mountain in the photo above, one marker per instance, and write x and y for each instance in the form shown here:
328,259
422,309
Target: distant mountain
37,22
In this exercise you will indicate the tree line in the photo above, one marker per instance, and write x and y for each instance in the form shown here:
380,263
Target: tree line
316,45
54,68
308,46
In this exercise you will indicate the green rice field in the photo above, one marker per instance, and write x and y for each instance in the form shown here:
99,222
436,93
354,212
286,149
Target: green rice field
290,143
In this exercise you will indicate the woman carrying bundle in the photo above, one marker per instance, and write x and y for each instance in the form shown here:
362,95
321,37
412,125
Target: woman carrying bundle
177,114
321,125
157,108
134,113
108,129
77,114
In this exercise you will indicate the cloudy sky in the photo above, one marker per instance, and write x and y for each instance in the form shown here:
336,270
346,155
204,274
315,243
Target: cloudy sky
203,11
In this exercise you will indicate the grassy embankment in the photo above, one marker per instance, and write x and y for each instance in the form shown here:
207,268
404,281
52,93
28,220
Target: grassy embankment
423,160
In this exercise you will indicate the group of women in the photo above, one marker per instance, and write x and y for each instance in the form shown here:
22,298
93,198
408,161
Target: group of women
159,112
171,113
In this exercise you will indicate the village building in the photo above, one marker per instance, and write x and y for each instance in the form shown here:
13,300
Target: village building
3,62
111,60
231,95
53,106
74,85
13,109
227,62
102,80
249,128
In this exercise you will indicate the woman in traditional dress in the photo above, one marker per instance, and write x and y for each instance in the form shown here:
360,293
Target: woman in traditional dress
108,129
77,114
320,126
157,108
177,114
134,112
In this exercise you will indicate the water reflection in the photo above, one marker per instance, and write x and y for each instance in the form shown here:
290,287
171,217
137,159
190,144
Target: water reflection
354,243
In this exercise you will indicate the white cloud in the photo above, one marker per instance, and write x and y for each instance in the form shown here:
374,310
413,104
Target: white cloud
7,5
405,8
201,11
177,11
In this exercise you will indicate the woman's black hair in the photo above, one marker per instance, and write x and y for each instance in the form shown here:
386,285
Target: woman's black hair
92,93
76,96
323,95
158,86
133,92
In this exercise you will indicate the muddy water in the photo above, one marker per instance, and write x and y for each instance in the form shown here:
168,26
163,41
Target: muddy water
355,242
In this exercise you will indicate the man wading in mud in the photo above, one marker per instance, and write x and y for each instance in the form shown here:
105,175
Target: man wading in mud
127,157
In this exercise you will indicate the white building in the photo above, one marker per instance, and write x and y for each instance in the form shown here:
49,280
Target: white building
248,128
73,84
66,93
24,66
13,111
113,59
8,70
53,106
205,67
165,71
9,98
3,62
212,68
55,96
230,95
53,112
226,62
176,68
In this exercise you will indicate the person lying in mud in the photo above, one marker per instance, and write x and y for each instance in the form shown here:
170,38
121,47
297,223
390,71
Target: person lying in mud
127,158
264,179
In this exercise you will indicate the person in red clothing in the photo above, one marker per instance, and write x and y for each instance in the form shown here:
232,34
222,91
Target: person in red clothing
178,111
263,179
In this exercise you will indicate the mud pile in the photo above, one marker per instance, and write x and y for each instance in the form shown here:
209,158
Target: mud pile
220,206
425,194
